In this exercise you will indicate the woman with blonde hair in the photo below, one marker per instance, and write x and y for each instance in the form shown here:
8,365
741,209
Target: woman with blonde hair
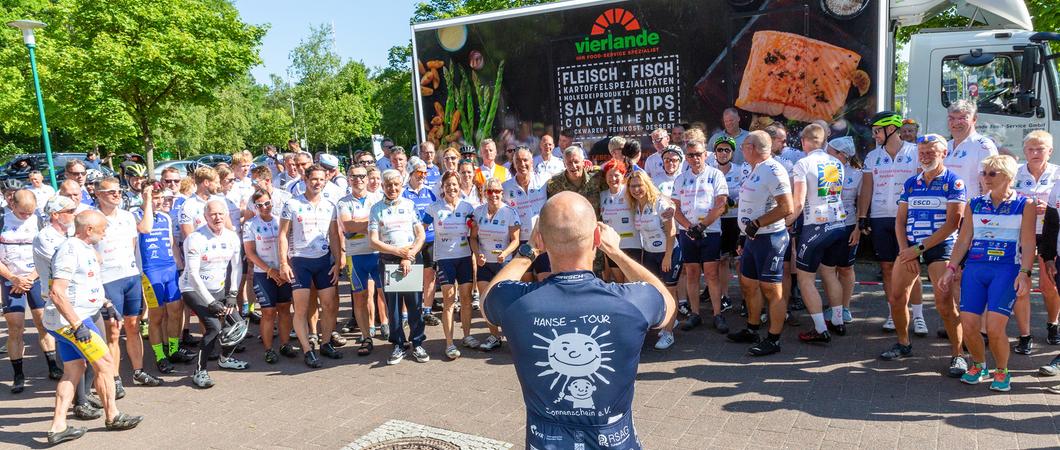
997,236
494,238
653,219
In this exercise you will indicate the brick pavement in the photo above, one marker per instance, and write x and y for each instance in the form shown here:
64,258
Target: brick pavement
703,393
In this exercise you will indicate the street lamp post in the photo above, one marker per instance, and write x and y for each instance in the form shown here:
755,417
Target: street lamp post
27,27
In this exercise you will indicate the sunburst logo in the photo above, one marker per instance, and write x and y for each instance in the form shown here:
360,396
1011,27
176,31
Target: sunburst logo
576,359
620,20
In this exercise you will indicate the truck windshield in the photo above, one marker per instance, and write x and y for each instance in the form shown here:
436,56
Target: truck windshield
992,86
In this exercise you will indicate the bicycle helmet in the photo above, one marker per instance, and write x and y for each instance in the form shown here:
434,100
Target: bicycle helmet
885,118
12,184
136,170
468,150
93,176
233,332
725,140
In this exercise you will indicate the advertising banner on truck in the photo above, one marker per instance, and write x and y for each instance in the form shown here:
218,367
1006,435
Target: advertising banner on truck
599,69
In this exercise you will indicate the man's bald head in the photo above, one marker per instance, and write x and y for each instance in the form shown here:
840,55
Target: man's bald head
567,225
70,187
24,199
89,219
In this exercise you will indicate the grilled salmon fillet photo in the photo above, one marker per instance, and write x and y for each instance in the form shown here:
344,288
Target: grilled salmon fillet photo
804,79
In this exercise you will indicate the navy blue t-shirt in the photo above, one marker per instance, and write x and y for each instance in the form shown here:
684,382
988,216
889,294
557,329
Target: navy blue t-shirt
576,342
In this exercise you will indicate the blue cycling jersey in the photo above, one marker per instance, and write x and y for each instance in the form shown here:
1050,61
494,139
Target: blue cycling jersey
996,236
576,360
927,204
422,199
156,249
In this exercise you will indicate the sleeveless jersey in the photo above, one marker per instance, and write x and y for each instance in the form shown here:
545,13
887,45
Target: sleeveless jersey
156,249
996,236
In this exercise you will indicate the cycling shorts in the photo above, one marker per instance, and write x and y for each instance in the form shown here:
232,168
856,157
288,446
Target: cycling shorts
821,244
455,270
311,272
703,250
362,269
487,271
851,250
668,275
163,286
763,257
68,350
884,242
127,296
937,253
270,294
16,303
427,255
988,286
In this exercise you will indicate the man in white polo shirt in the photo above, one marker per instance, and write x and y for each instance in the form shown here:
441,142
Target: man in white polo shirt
968,148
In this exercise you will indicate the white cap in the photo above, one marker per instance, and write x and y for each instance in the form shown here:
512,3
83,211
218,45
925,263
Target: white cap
844,145
328,160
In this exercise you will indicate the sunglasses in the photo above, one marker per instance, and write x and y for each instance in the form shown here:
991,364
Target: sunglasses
108,191
359,177
991,174
694,155
76,174
723,150
263,205
660,139
672,160
494,191
928,138
177,181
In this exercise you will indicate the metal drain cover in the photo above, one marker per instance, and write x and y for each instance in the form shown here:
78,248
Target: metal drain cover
413,443
402,435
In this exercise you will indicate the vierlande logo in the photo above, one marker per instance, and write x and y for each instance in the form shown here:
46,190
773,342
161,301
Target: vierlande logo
610,18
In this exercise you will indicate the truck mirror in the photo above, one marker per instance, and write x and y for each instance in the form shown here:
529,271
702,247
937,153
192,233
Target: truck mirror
976,58
1027,101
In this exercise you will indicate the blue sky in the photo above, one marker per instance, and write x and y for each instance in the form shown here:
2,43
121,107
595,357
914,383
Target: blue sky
364,29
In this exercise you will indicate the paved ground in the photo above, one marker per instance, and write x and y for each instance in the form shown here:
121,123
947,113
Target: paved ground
703,393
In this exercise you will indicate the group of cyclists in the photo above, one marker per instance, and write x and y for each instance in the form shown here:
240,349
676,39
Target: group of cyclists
270,242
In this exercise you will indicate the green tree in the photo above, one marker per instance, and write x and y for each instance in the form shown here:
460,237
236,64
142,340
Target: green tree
148,54
443,9
333,99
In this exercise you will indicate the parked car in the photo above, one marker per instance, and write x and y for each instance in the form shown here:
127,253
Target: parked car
183,166
20,166
209,160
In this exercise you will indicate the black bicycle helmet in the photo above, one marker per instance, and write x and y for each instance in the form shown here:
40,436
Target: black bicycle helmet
12,184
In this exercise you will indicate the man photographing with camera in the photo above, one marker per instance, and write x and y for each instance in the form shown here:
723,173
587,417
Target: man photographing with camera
576,340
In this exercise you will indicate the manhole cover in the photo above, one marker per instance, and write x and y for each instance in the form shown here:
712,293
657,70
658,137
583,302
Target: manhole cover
401,435
413,443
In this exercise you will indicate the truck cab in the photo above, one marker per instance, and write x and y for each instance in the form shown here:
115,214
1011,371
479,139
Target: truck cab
1004,67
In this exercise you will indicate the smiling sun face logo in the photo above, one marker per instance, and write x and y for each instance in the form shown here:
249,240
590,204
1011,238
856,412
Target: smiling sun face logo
576,359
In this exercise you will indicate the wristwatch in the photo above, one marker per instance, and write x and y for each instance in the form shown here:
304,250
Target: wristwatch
527,251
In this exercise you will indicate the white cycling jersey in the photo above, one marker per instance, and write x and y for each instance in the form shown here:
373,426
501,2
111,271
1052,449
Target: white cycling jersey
16,242
310,224
758,193
208,256
351,208
76,262
615,212
665,183
695,194
889,175
527,202
394,221
44,246
493,230
264,235
966,160
649,225
450,229
734,178
851,190
1038,190
823,176
119,247
193,210
548,168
